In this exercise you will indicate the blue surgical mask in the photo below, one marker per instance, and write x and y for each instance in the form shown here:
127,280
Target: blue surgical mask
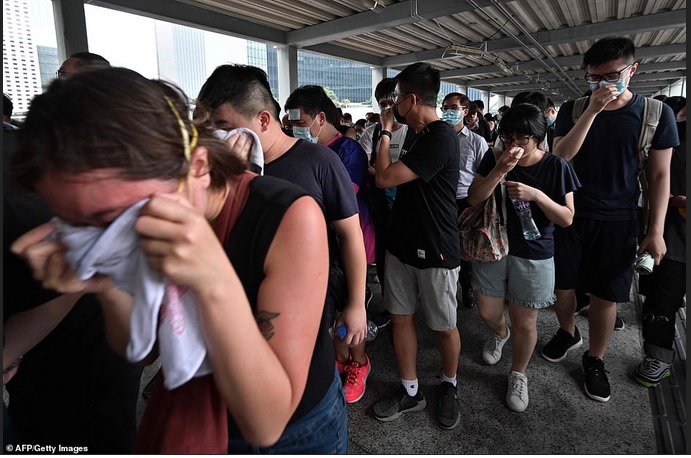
452,117
306,132
620,84
550,121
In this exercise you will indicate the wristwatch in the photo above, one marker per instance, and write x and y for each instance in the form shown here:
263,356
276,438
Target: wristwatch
387,133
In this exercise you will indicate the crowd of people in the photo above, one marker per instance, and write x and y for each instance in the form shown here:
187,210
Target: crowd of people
272,255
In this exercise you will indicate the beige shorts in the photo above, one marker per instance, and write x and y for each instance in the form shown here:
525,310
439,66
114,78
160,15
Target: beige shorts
435,286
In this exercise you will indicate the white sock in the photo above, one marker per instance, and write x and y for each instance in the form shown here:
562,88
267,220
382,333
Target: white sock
410,386
452,381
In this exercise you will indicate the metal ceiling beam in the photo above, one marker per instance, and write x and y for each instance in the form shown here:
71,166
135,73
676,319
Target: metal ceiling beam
345,53
651,22
201,18
645,74
636,88
370,21
503,85
569,61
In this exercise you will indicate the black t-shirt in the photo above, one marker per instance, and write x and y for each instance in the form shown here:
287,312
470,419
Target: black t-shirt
607,163
320,172
423,218
247,247
552,175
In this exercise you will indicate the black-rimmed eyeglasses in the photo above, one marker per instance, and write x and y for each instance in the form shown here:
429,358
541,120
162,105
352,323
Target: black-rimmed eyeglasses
520,141
611,77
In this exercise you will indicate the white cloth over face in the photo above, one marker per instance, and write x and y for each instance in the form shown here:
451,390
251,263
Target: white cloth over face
256,156
166,311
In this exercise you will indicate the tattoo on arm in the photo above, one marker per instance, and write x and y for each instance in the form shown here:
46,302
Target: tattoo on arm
266,327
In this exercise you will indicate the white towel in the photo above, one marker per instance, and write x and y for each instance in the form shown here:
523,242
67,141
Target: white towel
256,157
115,252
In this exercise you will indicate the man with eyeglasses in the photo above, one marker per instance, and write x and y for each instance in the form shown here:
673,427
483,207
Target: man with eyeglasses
598,250
381,200
79,62
454,108
424,251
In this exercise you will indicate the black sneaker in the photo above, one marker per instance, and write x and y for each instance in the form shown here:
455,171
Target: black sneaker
561,344
448,410
391,408
619,324
596,383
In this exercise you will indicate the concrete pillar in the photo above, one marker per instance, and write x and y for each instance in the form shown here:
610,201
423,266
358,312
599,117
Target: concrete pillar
287,57
70,27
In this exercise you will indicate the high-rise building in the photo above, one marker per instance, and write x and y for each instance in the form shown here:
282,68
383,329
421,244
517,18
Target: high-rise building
181,57
21,79
48,64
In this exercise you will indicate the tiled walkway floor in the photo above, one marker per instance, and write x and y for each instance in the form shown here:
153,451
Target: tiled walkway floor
668,400
559,420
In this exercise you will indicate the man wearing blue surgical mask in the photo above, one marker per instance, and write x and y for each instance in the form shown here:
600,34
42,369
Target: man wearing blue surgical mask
473,147
597,251
550,119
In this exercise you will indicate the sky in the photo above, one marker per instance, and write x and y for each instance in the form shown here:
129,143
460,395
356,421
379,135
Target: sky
128,40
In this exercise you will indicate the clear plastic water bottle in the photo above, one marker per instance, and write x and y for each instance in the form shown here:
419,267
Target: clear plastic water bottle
525,216
372,330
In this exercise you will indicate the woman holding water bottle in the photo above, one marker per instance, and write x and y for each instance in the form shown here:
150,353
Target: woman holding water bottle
539,193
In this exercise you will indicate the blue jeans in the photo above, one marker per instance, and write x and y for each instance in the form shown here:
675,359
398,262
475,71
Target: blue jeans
322,431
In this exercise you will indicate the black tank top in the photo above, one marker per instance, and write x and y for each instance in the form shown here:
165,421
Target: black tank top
247,246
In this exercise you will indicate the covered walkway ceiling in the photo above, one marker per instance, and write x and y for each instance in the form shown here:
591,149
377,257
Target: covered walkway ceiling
494,45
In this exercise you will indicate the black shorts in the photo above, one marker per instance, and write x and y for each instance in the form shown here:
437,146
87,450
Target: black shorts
596,256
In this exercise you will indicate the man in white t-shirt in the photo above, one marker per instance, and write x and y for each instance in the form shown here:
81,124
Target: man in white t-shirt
382,199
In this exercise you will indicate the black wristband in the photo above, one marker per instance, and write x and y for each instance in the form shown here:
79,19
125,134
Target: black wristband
387,133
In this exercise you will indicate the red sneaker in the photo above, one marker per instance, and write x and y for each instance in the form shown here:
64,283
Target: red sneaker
356,380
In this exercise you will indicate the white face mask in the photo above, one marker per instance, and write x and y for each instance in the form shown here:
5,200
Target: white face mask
306,132
620,84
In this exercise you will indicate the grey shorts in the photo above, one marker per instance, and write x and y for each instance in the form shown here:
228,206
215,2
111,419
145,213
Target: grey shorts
435,286
526,282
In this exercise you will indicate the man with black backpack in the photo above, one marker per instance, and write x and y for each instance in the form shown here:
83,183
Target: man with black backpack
598,250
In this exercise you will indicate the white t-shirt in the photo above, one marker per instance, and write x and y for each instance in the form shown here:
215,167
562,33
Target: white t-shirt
395,145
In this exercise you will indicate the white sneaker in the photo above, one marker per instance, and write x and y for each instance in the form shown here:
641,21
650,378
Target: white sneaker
517,394
491,353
